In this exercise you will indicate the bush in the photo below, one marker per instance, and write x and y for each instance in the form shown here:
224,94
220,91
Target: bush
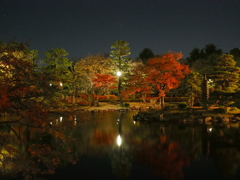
102,98
111,97
169,106
83,103
126,104
183,105
84,96
220,110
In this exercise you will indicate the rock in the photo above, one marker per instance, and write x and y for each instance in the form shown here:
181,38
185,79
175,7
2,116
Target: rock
207,119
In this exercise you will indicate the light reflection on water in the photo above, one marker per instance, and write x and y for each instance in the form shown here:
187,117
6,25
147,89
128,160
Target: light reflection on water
112,146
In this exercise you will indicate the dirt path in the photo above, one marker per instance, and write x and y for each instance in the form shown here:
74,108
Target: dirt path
107,106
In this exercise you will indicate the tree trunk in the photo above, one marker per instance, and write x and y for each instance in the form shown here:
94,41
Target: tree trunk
74,96
161,102
96,102
119,91
144,97
91,99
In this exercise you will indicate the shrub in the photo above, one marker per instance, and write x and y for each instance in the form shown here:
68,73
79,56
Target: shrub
102,98
83,103
233,109
220,110
169,106
111,97
84,96
126,104
174,99
183,105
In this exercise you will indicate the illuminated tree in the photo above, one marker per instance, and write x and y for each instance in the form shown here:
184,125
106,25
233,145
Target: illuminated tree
57,67
86,69
138,82
166,73
226,75
120,60
103,83
18,79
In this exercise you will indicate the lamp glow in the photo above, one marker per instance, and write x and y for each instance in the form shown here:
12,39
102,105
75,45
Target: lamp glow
119,140
119,73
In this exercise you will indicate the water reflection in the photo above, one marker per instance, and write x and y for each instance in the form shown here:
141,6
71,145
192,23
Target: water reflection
132,150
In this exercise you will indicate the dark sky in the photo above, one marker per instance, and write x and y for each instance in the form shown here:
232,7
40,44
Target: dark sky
85,27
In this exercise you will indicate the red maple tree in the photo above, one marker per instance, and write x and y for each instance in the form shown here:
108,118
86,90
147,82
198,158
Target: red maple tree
166,73
103,83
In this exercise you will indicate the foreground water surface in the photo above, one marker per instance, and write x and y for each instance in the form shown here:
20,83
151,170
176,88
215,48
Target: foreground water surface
110,145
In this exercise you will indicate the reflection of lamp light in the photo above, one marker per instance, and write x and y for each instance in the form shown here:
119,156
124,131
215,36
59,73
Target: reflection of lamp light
119,140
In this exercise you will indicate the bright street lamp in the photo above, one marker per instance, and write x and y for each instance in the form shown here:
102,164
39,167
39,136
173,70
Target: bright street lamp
119,73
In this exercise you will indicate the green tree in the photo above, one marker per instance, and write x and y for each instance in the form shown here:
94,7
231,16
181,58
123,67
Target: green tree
191,86
57,66
120,60
226,75
226,78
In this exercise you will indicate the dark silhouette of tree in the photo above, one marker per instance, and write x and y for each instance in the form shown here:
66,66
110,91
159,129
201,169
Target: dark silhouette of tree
203,54
236,53
146,54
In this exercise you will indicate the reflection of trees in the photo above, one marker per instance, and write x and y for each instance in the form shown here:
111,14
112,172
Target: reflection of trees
223,144
121,163
120,157
29,149
189,136
163,157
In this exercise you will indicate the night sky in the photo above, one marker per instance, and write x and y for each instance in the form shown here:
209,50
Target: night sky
85,27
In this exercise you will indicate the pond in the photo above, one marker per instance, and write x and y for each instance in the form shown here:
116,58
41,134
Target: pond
110,145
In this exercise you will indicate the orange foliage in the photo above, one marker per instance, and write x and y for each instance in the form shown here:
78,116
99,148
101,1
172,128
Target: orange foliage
166,72
104,81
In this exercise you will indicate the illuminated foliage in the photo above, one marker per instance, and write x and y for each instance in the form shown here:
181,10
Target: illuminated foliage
103,83
121,62
138,82
86,69
166,73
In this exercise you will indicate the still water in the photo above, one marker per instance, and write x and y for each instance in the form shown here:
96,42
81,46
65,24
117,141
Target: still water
112,146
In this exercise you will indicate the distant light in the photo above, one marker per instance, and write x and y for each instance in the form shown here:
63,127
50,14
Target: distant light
119,140
61,84
119,73
210,129
50,84
61,119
